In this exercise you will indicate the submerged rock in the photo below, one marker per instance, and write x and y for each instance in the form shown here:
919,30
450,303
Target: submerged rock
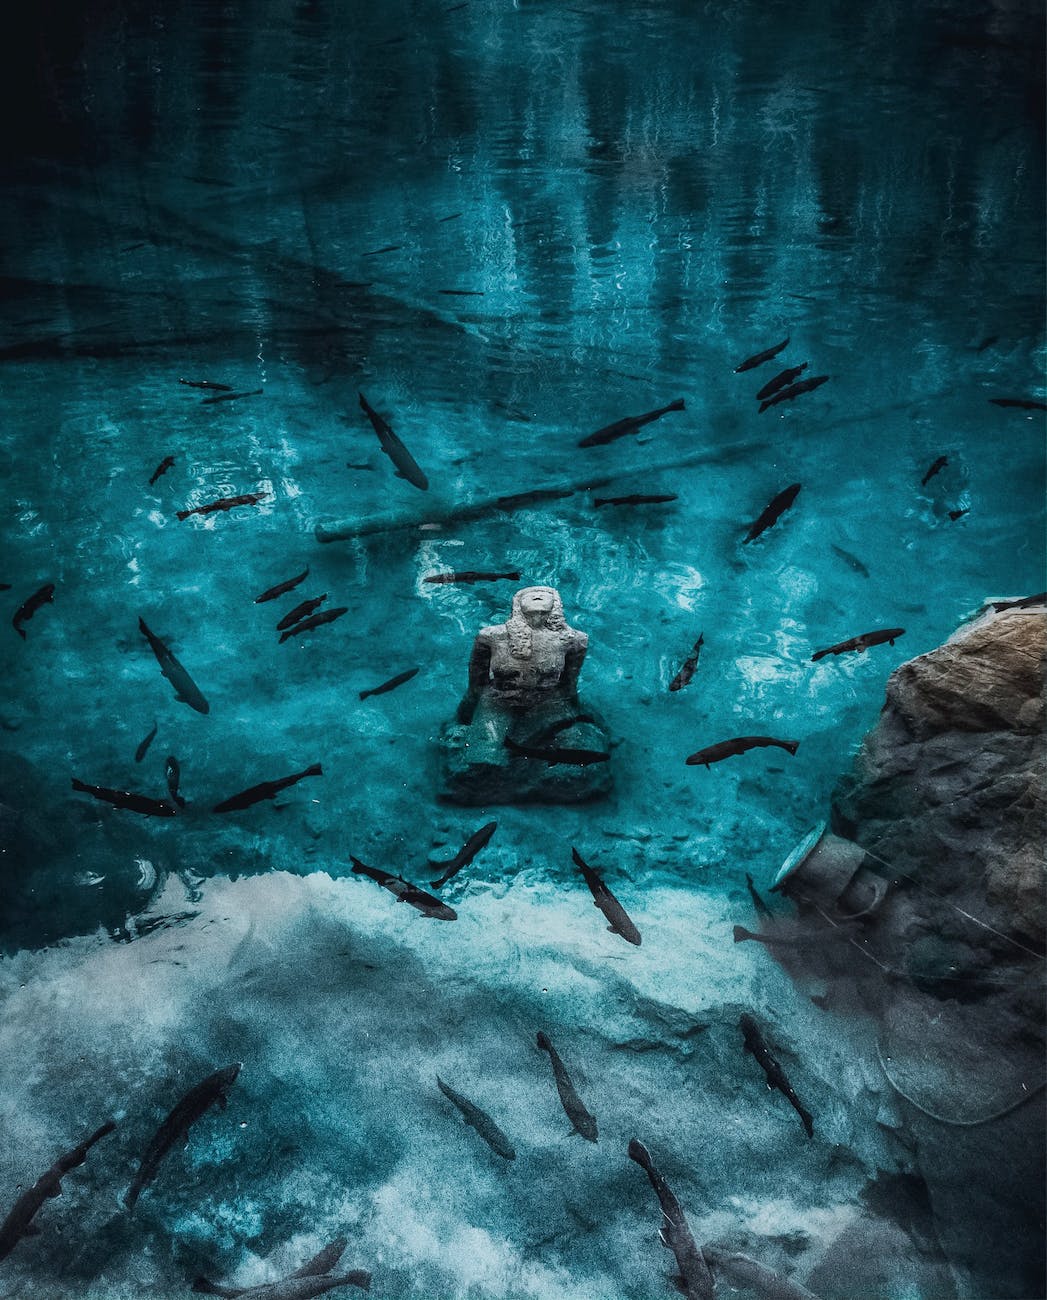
949,786
945,809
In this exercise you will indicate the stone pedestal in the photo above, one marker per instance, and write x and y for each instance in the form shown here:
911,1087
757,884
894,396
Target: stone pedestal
477,769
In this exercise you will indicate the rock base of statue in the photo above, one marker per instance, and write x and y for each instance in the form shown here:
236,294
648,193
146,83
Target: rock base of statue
477,768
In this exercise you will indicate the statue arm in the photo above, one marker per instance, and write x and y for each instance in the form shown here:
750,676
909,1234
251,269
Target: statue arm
572,665
479,674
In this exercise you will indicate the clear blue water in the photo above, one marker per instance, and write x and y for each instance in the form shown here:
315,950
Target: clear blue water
636,197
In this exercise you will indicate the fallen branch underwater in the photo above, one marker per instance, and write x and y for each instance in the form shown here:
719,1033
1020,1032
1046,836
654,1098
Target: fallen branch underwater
438,514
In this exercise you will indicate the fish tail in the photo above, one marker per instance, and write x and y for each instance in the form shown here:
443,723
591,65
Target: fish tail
512,746
363,694
543,1042
184,514
600,501
818,654
678,405
741,934
314,769
791,745
577,858
358,1277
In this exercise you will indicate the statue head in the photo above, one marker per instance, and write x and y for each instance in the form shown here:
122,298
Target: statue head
533,606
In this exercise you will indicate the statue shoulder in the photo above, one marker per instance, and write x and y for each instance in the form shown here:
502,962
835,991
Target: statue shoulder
577,640
488,635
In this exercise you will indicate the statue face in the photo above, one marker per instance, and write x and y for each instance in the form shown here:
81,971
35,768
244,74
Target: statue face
536,600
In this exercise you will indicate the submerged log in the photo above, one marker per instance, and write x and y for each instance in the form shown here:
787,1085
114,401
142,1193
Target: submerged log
437,514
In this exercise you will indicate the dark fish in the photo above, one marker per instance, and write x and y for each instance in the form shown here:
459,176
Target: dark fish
185,688
861,643
19,1222
315,620
1026,602
389,248
465,854
754,1042
479,1120
282,588
206,383
139,803
761,907
391,684
520,499
780,381
617,917
636,499
774,511
175,1128
795,390
406,465
936,468
852,560
231,397
630,424
300,611
583,1121
569,757
454,215
750,363
173,772
224,503
987,342
471,575
683,677
1022,403
265,790
140,752
462,293
162,468
729,748
958,514
694,1281
744,1273
406,892
803,940
28,608
313,1279
295,1287
324,1261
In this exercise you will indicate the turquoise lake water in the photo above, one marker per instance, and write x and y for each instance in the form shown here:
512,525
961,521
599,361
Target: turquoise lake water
508,225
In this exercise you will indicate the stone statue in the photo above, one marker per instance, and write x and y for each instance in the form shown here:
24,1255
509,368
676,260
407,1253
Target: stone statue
523,695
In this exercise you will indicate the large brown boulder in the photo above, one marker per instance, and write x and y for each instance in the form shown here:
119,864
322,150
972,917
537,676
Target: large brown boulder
949,787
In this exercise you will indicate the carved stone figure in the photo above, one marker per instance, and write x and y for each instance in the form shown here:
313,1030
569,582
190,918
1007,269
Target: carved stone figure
520,734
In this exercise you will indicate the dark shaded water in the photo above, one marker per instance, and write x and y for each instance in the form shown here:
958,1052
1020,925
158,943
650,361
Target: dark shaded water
508,225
